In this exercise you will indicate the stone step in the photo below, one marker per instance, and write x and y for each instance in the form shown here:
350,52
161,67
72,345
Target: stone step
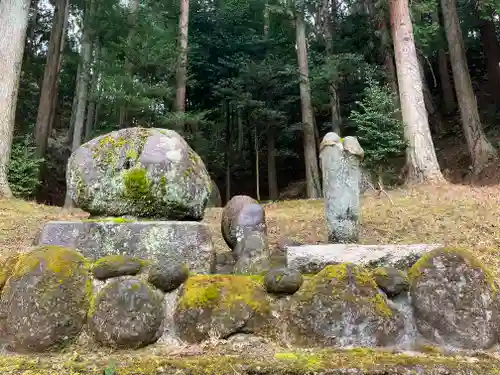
313,258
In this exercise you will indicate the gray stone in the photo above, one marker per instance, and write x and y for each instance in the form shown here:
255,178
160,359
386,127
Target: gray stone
156,241
142,172
233,225
282,281
342,306
168,277
284,243
340,164
313,258
127,313
454,299
252,254
45,301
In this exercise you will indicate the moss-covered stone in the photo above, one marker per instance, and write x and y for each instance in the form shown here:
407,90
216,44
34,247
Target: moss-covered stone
126,314
455,299
117,265
221,305
342,305
391,280
6,268
292,362
145,173
45,299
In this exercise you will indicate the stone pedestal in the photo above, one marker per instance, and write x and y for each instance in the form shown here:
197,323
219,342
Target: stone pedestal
158,241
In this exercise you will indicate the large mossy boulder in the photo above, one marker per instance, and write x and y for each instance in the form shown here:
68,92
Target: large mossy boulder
342,306
139,172
45,299
454,299
221,305
127,313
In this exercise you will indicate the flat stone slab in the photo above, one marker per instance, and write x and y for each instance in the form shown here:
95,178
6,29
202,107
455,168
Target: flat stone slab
160,241
313,258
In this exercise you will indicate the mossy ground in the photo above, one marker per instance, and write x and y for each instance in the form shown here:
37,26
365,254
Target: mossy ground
279,361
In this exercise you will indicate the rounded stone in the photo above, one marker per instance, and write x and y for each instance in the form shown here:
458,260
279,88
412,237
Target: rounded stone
283,281
229,213
45,299
168,277
127,313
454,299
342,306
140,172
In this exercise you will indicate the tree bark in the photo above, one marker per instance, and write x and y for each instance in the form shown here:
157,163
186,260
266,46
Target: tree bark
14,16
132,19
491,50
180,90
480,148
272,178
430,106
48,93
449,103
89,123
83,85
310,152
421,162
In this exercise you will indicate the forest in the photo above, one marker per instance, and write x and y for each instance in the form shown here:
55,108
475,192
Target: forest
253,86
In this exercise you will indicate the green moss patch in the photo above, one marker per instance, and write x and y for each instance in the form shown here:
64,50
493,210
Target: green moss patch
416,270
223,291
59,260
293,362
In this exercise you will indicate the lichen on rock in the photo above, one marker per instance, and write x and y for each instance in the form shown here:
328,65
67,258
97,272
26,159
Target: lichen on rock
139,172
127,313
455,299
221,305
45,300
342,306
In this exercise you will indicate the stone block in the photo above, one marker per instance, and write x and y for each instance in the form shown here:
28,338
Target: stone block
188,242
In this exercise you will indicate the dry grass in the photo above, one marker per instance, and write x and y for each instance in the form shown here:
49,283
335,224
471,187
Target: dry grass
453,215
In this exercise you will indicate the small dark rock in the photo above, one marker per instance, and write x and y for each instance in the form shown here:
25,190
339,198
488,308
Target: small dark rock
283,281
391,280
115,266
168,277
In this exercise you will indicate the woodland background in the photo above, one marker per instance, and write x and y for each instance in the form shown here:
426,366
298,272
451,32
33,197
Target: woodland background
253,85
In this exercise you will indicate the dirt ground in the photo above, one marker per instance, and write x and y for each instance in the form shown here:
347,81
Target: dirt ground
454,215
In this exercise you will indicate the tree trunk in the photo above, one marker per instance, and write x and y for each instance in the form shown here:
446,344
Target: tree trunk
86,57
310,153
49,88
449,103
71,129
92,94
272,178
180,90
421,161
480,148
491,50
14,16
132,19
229,148
434,115
257,163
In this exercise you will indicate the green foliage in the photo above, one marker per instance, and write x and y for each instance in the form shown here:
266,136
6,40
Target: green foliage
23,167
380,132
